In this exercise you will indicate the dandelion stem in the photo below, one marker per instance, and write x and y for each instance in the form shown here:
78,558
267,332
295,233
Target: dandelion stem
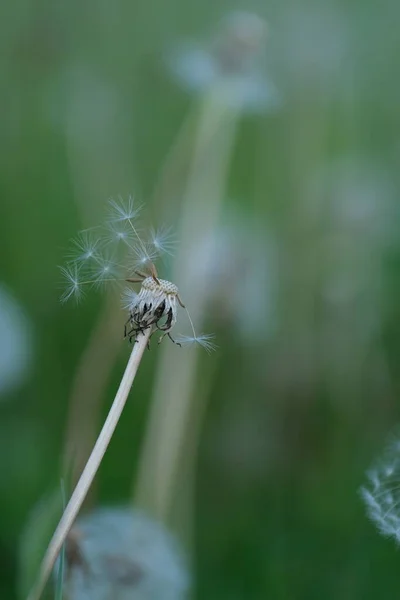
72,509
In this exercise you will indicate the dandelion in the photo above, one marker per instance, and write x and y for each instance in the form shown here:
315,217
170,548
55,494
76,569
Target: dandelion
120,552
381,494
153,308
231,61
119,252
156,299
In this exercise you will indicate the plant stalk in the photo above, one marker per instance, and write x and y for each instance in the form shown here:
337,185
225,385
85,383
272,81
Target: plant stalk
82,487
174,399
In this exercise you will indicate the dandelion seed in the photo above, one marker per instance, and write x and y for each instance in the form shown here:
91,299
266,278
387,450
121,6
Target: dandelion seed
203,340
162,240
373,478
121,210
382,493
143,255
129,299
117,233
86,247
106,271
389,470
73,287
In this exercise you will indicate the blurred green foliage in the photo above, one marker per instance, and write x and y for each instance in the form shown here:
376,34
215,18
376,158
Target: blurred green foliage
89,110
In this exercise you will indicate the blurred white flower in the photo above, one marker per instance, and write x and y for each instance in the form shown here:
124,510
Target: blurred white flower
382,492
15,342
231,62
119,553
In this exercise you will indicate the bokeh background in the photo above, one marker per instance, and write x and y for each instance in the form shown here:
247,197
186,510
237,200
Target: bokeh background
295,267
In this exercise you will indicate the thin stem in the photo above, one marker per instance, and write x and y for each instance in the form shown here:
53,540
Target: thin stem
72,509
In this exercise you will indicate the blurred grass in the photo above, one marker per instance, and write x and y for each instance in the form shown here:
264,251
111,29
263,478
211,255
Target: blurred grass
278,518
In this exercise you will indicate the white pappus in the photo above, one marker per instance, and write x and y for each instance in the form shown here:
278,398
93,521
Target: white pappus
120,251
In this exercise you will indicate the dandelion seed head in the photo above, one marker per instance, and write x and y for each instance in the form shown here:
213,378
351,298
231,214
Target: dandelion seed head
120,252
162,287
241,37
154,306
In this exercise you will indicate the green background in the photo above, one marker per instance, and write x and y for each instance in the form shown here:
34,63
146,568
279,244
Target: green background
88,111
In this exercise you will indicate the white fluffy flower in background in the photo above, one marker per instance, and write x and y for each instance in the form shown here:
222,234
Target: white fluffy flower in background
119,553
232,61
381,494
15,343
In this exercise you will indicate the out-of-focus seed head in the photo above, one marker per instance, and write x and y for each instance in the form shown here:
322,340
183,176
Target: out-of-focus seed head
381,494
119,553
239,41
121,252
230,62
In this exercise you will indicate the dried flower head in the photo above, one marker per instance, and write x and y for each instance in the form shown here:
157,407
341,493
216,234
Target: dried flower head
382,492
121,553
231,60
155,305
120,252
